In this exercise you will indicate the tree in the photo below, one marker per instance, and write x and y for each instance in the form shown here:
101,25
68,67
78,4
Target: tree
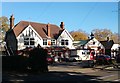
102,34
79,35
116,38
4,26
4,22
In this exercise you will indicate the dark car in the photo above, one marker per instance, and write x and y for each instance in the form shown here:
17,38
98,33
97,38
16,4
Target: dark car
103,59
50,59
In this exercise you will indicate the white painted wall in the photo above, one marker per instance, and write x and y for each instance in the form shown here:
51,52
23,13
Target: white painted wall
20,38
83,54
66,36
94,46
115,47
39,40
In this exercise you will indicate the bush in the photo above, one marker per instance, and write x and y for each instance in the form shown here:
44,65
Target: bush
36,61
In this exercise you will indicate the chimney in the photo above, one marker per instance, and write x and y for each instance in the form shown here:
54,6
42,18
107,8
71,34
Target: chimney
92,35
62,25
11,21
108,38
48,30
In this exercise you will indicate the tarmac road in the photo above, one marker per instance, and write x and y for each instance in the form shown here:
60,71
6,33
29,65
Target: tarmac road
66,72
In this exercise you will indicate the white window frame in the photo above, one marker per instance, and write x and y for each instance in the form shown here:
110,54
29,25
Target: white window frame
28,40
53,42
44,41
64,42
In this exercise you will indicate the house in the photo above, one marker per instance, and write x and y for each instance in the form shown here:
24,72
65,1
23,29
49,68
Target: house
115,47
30,34
108,45
115,50
91,43
100,47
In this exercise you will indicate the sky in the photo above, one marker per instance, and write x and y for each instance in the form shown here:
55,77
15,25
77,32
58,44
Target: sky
85,16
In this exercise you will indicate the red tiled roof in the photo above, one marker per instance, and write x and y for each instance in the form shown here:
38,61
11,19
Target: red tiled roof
40,28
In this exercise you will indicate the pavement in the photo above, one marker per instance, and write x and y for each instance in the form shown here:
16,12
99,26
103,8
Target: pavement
72,69
108,67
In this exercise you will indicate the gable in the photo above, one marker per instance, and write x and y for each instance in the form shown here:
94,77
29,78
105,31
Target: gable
65,34
29,32
94,43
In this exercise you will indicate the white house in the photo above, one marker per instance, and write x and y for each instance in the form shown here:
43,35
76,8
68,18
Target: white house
115,50
30,34
115,47
91,43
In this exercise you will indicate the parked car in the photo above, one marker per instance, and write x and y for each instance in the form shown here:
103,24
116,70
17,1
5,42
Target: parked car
103,59
74,58
50,59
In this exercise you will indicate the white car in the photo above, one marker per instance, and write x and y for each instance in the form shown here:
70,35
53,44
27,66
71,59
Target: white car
74,58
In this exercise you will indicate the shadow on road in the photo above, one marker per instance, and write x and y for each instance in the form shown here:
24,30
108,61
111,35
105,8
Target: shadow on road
53,76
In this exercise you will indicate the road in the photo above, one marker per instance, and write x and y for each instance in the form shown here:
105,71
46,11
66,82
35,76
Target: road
67,72
98,74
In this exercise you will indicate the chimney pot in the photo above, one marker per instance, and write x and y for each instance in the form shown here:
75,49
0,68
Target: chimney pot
11,21
108,38
62,25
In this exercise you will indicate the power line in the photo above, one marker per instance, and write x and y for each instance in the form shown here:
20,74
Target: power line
86,16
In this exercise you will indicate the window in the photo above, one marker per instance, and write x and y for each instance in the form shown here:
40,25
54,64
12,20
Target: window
44,41
83,52
88,52
29,41
93,43
64,42
26,41
53,42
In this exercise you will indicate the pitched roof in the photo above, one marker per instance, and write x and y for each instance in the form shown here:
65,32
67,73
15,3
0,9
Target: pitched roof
107,44
40,28
81,42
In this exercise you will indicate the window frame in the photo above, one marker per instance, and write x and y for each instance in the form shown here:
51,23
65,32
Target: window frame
53,42
44,41
29,41
64,42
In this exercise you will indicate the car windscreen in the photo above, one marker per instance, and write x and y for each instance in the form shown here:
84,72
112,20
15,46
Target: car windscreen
107,56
